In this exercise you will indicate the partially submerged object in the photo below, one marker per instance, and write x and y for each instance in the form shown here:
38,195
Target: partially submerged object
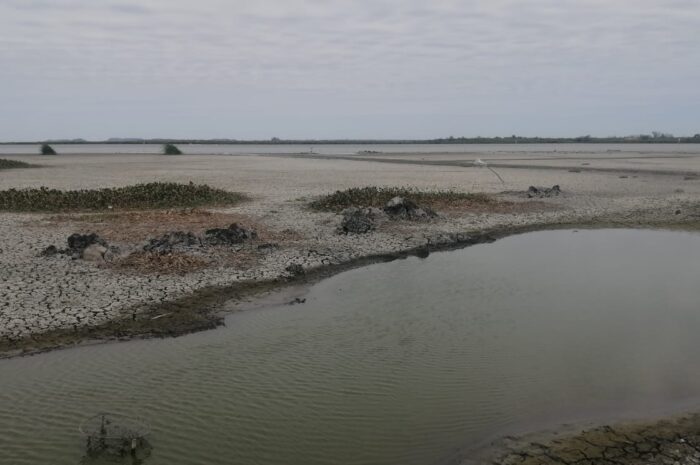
112,435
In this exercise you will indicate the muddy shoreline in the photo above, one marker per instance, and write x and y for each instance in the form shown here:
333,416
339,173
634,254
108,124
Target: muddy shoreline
672,440
204,308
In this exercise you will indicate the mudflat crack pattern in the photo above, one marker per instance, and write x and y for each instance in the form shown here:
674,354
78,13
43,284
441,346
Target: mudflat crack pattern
673,442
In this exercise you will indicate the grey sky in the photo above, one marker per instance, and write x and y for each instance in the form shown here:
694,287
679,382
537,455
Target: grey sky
354,68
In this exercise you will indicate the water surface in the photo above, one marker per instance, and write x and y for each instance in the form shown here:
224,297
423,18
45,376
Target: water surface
407,362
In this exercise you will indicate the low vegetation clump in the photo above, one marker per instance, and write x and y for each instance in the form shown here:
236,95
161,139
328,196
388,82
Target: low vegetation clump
7,164
46,149
171,149
153,195
379,196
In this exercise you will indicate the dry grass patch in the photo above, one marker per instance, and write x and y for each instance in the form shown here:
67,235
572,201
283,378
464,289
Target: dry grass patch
138,226
172,263
181,263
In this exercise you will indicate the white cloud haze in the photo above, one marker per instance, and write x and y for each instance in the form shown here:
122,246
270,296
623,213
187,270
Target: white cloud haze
354,68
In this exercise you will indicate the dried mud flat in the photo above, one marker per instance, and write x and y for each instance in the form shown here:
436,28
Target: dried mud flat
52,302
43,297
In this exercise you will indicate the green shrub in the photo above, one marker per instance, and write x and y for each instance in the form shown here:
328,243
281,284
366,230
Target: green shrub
379,196
171,149
140,196
46,149
7,164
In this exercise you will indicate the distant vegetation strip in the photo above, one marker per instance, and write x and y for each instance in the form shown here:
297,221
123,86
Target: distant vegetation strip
7,164
154,195
653,138
379,196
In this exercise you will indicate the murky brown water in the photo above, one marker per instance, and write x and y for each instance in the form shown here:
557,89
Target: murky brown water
399,363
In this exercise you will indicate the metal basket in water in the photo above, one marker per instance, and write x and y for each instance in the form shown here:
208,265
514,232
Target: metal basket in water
116,435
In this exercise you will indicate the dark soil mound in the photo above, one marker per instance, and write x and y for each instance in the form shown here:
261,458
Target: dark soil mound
234,234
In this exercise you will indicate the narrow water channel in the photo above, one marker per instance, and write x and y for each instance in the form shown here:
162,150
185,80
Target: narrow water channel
398,363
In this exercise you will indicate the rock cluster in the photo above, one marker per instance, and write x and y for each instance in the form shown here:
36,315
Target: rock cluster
89,247
363,220
407,209
172,241
540,192
234,234
182,241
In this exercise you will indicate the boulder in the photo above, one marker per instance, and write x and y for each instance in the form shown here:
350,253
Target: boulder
234,234
94,253
77,243
407,209
398,206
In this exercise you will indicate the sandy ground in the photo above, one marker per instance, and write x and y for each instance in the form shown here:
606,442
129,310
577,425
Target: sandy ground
41,295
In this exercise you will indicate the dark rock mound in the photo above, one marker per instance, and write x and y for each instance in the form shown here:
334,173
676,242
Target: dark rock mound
295,269
50,251
87,246
234,234
79,242
541,192
358,220
407,209
172,241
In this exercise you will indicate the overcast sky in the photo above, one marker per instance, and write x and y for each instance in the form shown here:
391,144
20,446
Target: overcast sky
347,69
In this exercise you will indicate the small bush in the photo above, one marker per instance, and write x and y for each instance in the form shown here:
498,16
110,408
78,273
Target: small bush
140,196
379,196
171,149
46,149
7,164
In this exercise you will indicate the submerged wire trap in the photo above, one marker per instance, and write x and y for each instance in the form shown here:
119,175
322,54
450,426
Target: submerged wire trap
115,435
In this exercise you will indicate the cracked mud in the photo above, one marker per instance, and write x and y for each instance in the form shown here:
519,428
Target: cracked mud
669,442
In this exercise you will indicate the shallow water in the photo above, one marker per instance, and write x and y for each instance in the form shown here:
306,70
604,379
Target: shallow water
399,363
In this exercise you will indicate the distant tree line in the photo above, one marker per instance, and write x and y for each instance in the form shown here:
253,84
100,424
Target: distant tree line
655,137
